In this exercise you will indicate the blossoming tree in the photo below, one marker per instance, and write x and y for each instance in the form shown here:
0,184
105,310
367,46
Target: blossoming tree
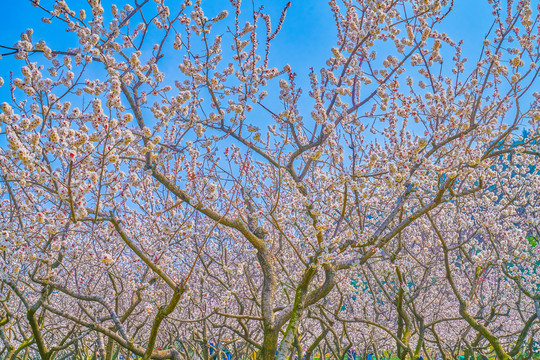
168,193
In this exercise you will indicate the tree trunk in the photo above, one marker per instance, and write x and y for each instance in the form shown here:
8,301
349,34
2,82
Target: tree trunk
269,345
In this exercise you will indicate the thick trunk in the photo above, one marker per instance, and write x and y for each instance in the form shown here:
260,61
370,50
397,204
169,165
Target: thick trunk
302,301
205,347
298,347
420,342
269,345
101,346
294,322
42,349
109,349
292,330
399,337
296,314
271,333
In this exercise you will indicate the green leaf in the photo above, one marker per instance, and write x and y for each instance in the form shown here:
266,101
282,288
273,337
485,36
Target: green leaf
532,240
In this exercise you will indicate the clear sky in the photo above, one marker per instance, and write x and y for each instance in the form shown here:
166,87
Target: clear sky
305,41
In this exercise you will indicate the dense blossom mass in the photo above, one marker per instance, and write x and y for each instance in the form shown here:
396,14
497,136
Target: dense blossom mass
170,190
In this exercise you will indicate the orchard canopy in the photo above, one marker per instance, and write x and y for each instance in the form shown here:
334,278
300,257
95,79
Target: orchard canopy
173,187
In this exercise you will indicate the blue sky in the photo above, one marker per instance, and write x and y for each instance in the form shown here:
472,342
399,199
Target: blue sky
305,41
